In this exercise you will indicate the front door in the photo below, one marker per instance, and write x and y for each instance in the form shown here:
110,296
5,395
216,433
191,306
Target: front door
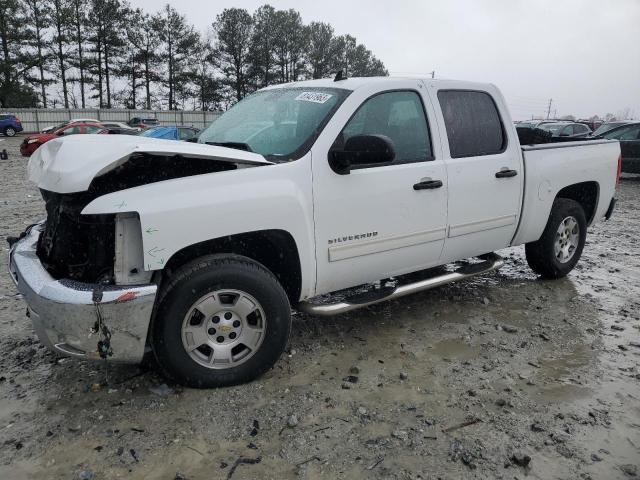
379,221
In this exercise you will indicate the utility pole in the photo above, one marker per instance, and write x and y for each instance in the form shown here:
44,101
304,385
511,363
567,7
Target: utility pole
549,108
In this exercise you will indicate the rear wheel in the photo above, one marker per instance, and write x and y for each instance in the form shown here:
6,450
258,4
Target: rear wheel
559,248
221,320
10,132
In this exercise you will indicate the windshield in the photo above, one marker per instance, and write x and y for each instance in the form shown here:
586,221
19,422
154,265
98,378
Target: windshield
554,128
158,132
280,124
605,127
525,125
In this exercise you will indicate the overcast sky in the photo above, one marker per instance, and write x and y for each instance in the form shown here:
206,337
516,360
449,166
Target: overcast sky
584,54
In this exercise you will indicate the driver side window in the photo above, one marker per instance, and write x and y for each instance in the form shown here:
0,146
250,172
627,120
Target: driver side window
398,115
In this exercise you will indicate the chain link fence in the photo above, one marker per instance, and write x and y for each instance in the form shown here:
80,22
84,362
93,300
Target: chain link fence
36,119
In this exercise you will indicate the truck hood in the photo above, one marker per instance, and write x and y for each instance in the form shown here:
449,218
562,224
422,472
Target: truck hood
68,165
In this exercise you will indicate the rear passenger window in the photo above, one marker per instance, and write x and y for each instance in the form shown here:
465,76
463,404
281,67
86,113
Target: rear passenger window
398,115
473,123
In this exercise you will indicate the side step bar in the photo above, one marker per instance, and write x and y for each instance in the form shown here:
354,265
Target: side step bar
491,262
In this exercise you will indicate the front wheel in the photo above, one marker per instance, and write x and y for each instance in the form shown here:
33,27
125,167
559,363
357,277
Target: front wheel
559,248
10,132
221,320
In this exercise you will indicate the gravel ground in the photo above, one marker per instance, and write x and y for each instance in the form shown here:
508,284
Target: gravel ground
504,376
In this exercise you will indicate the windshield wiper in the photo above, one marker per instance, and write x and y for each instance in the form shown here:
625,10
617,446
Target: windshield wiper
236,145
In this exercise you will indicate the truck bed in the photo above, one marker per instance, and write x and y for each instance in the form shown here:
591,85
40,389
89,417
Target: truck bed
550,166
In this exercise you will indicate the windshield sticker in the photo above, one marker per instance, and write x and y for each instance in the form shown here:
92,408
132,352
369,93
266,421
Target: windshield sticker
315,97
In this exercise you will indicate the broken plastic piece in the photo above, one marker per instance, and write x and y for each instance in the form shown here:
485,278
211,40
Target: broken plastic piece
126,297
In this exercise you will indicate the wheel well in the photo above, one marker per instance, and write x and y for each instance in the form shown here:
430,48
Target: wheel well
586,194
275,249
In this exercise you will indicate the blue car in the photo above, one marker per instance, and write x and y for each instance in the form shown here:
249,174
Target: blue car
9,124
171,132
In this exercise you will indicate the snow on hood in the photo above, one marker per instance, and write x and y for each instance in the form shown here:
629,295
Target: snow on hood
68,165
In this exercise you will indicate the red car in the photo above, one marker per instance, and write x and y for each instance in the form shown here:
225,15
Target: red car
32,142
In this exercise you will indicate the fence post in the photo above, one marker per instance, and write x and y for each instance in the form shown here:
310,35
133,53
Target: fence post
37,120
204,119
181,117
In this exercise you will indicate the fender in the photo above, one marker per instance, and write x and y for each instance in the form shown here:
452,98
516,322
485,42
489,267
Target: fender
177,213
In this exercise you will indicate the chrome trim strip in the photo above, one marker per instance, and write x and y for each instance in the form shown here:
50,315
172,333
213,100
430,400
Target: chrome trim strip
342,252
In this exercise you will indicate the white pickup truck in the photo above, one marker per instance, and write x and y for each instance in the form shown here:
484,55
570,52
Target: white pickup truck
198,251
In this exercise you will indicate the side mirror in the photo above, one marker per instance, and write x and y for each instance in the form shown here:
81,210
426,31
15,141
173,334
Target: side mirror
362,151
60,134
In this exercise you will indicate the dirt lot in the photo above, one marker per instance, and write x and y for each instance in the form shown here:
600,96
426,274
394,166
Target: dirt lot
505,376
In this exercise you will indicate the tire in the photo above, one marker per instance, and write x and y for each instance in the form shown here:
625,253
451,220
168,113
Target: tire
192,310
543,256
10,132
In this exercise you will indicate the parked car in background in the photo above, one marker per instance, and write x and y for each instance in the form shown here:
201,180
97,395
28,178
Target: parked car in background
592,124
171,132
120,128
605,127
10,124
533,123
566,129
51,128
140,122
33,142
629,137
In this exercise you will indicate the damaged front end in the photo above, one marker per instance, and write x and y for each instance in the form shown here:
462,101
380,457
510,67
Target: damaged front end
83,276
74,246
83,247
63,311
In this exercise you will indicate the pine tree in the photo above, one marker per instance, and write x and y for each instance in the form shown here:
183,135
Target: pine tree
39,21
15,60
234,28
60,15
179,41
78,59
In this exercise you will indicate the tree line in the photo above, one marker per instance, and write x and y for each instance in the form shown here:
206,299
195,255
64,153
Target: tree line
107,54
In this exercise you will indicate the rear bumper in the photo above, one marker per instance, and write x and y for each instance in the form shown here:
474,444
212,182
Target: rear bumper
64,315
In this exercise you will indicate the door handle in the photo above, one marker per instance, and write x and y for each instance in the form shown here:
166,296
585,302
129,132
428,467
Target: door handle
428,185
506,173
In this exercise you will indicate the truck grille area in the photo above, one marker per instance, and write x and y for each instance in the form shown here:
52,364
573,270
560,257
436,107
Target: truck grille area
82,247
74,246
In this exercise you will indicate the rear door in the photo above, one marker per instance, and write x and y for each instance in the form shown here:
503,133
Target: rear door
484,170
378,221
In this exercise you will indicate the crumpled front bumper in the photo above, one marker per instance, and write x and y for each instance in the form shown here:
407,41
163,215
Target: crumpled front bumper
64,314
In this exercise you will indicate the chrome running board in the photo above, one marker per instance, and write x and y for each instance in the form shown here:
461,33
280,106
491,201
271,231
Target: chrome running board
491,262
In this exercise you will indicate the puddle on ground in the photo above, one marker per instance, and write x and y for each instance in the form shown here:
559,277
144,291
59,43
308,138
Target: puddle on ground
455,349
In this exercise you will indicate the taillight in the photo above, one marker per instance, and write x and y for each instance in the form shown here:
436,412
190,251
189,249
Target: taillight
619,170
18,120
